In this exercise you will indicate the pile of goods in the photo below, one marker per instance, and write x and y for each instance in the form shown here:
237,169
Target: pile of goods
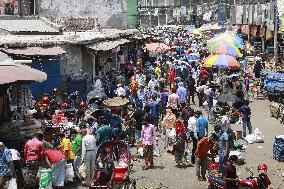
274,85
278,148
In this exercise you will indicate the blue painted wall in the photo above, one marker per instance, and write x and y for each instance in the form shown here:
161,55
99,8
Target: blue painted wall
52,69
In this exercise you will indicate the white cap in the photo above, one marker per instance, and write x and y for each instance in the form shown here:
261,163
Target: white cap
2,144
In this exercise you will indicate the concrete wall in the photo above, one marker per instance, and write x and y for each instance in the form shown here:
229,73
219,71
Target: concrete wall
110,13
71,62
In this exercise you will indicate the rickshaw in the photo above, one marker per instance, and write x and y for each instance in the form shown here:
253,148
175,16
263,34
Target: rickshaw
119,153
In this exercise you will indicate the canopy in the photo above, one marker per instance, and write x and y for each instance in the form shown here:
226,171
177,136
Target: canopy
35,51
107,45
157,47
221,61
12,72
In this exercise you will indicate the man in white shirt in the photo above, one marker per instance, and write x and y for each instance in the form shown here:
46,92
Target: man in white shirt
120,91
89,150
173,102
192,129
16,157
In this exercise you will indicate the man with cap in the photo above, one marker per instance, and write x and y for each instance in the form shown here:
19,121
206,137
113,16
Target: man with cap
120,91
6,164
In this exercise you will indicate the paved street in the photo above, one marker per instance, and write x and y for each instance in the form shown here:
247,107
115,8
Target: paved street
167,175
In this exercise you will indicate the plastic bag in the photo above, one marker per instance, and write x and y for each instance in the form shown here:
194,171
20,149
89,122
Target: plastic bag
45,179
259,137
250,138
69,172
188,155
12,183
156,148
82,170
140,152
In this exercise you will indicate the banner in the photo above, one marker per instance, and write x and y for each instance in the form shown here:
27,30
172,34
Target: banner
239,14
280,13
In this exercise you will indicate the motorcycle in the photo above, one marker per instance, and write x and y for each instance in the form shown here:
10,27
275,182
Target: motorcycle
260,182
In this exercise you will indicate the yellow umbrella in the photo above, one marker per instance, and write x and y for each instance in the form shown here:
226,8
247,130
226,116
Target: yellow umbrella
209,61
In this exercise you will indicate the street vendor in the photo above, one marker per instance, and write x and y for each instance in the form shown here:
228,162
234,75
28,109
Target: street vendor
205,145
56,160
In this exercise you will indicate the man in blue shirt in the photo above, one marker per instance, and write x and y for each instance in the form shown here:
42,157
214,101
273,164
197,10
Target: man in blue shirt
246,113
154,106
182,93
164,100
6,164
201,125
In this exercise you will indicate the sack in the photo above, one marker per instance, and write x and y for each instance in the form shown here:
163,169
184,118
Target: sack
257,137
82,171
45,179
69,172
250,138
12,184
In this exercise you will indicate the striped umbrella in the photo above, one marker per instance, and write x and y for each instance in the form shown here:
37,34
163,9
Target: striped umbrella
225,48
221,61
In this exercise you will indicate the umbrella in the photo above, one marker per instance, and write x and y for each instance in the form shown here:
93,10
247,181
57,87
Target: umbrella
227,37
221,61
192,58
224,47
228,98
157,47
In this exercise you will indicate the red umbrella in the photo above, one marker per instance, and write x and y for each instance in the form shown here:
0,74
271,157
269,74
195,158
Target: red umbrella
157,47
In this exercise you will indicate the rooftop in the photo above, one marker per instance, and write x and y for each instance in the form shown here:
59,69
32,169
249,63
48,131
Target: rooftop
23,26
85,38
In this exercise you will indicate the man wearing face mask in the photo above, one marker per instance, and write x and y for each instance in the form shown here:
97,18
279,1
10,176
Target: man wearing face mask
6,165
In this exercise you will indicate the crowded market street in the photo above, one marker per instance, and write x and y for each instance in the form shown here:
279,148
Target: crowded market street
167,175
130,94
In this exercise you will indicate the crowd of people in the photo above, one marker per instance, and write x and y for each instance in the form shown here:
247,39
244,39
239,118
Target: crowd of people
162,90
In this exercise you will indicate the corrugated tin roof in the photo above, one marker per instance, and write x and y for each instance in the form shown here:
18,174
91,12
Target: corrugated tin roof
16,26
108,45
33,51
11,72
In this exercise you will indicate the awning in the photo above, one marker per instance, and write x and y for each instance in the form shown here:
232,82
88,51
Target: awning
107,45
34,51
11,72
